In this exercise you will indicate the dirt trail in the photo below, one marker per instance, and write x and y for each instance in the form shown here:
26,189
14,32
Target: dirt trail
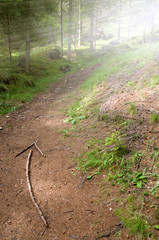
71,212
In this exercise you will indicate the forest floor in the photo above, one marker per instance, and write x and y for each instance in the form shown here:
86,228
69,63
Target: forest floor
72,210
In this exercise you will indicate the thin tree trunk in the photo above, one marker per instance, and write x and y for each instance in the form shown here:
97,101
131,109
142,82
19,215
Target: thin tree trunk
80,24
119,23
27,50
92,29
69,31
153,18
50,37
95,28
129,23
61,28
9,36
145,24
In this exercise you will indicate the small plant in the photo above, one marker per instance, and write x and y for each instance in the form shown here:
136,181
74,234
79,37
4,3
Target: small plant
75,120
155,190
132,109
130,84
104,117
64,132
154,118
5,108
75,113
136,158
105,154
154,81
139,179
136,224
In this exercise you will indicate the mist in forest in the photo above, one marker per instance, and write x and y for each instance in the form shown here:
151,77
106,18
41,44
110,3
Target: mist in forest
26,25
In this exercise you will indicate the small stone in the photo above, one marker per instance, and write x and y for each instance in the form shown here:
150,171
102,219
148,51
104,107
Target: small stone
1,128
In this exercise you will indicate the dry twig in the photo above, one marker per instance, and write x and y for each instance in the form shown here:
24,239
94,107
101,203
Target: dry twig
33,144
83,180
30,189
39,149
153,151
117,227
25,149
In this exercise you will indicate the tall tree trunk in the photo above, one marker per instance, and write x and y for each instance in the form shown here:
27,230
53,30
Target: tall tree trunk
92,29
129,23
119,23
61,19
50,35
145,23
69,31
9,36
27,50
153,18
95,28
80,24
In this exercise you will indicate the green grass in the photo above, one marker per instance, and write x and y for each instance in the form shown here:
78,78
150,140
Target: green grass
154,118
132,109
135,223
120,61
45,71
106,154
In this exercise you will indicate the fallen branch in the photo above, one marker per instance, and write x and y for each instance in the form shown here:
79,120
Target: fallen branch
25,149
138,163
30,189
117,227
83,180
153,151
39,149
33,144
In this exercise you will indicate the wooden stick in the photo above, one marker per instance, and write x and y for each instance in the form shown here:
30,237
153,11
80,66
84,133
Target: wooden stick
30,189
39,149
25,149
83,180
33,144
153,160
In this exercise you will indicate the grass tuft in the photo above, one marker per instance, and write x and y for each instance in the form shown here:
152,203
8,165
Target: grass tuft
154,118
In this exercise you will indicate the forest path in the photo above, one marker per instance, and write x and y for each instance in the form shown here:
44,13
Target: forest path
71,212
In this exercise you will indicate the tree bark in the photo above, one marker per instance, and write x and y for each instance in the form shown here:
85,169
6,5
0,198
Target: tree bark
61,20
129,23
145,23
119,24
9,36
80,25
96,28
153,19
69,31
50,35
92,29
27,50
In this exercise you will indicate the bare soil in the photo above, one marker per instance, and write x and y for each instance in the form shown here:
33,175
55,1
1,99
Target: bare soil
72,212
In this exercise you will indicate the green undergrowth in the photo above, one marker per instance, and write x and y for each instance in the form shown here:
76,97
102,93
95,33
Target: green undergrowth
123,154
18,87
136,223
122,61
121,165
117,61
